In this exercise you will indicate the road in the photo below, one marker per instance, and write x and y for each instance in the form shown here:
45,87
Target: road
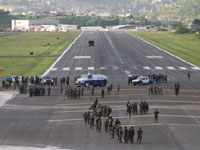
56,121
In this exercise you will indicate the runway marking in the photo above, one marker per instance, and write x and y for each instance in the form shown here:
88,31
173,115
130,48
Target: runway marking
78,68
140,125
180,124
127,117
146,67
90,68
103,68
158,68
171,68
115,68
122,95
66,69
125,101
183,68
195,68
145,89
158,57
160,124
127,72
117,109
82,57
54,69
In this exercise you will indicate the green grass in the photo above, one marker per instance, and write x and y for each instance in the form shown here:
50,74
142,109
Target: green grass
185,46
23,44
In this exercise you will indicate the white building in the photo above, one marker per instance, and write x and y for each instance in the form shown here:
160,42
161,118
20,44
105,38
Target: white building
65,28
33,25
98,28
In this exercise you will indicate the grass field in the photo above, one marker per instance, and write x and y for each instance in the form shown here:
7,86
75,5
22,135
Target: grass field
36,42
186,46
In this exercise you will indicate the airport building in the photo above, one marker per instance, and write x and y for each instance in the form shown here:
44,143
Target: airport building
32,25
92,28
41,26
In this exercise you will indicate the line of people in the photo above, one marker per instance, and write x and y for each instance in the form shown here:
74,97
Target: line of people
155,90
113,128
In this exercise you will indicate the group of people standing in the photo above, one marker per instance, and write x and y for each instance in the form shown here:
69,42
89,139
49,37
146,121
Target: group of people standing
113,128
132,109
155,90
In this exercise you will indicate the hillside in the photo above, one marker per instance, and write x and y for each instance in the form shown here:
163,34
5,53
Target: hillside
183,10
83,6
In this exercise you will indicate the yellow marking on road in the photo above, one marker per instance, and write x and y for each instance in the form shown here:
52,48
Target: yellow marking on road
115,109
125,101
161,124
141,125
125,117
180,124
123,95
69,111
146,89
65,120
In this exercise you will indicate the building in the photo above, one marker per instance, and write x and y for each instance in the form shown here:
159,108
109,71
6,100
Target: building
33,25
65,28
98,28
194,27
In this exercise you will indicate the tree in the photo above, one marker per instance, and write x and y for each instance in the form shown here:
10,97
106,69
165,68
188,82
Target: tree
196,21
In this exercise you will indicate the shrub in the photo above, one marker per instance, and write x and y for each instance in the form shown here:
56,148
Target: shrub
182,29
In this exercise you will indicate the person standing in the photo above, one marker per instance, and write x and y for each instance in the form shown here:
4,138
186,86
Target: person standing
118,88
102,93
188,75
156,115
92,90
139,135
49,91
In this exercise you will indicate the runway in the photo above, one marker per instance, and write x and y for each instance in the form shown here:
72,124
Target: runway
56,121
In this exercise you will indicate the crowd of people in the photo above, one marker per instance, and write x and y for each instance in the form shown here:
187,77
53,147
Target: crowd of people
132,109
93,118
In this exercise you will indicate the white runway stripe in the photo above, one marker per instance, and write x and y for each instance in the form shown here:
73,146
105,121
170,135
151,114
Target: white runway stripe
78,68
127,72
54,69
195,68
158,68
171,68
183,68
66,69
103,68
82,57
146,67
90,68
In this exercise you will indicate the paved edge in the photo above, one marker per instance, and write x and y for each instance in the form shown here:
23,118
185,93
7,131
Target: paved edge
163,50
49,69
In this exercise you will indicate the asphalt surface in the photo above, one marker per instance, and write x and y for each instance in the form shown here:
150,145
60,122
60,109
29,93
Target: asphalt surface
56,121
9,33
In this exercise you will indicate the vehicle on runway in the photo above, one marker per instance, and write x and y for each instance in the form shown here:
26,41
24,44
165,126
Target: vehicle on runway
92,79
91,43
47,81
142,80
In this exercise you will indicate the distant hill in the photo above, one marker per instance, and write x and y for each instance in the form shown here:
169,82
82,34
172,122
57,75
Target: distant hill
82,6
181,9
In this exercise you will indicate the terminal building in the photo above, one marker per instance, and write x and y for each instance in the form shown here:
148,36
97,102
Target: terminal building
41,26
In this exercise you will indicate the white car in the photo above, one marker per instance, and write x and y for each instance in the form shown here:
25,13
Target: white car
92,79
141,80
14,77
